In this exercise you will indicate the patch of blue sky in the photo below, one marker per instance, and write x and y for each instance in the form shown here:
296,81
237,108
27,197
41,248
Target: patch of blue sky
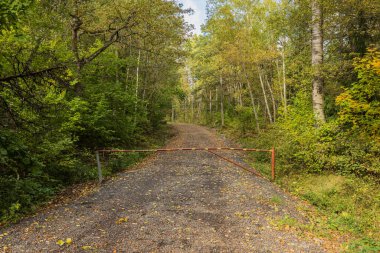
199,16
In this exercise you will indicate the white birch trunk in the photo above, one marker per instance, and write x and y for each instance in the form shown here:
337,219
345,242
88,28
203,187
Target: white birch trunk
265,98
192,108
216,99
252,102
272,97
210,103
317,61
279,77
240,88
284,80
221,102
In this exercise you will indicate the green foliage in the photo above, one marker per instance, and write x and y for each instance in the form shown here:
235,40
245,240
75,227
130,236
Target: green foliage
350,144
350,204
20,196
364,245
244,119
360,103
287,221
254,58
10,10
62,97
119,161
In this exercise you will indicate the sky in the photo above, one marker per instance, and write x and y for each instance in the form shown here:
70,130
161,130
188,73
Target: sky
199,16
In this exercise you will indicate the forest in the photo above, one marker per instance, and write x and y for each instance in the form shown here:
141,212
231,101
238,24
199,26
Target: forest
300,75
77,76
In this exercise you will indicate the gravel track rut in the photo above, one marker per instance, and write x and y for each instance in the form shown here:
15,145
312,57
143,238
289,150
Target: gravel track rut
173,202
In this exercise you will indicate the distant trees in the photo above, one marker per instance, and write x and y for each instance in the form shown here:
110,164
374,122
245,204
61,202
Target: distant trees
293,72
261,51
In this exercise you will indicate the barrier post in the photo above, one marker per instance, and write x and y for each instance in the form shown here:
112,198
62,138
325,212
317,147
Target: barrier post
273,164
99,167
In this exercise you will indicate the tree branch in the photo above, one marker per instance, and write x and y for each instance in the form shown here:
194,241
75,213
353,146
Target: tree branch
30,74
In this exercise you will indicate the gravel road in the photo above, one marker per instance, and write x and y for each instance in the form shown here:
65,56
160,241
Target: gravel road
183,201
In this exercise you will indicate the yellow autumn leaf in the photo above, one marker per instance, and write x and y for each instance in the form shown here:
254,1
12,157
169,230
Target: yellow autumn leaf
122,220
69,241
86,247
376,65
60,242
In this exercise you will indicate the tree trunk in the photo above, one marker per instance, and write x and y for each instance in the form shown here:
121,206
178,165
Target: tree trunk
192,108
240,88
137,86
216,99
172,111
185,110
199,110
265,98
279,81
210,103
76,24
254,107
317,61
221,102
145,79
117,68
284,79
130,54
272,97
252,102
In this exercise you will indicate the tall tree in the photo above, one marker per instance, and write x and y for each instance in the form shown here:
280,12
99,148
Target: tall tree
317,60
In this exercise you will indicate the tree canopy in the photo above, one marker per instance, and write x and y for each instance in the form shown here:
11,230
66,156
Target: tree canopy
78,75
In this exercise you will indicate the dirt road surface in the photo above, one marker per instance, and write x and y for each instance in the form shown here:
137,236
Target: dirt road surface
174,202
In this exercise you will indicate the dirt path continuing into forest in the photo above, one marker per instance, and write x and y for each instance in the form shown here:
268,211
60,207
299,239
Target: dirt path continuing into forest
185,201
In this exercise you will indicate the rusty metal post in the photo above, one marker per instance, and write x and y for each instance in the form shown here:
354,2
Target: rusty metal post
99,167
273,164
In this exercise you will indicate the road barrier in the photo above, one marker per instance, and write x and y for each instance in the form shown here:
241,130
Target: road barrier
210,150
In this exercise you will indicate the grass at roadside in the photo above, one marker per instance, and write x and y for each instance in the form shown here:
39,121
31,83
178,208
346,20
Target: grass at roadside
350,205
345,204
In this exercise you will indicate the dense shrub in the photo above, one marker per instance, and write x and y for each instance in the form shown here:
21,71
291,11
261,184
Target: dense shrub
60,100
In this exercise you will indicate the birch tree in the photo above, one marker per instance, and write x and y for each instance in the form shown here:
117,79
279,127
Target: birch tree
317,60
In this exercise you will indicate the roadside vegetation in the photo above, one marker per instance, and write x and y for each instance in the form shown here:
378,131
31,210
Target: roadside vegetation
303,76
76,76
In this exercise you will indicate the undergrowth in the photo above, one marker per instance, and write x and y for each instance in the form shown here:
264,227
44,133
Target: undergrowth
21,197
346,204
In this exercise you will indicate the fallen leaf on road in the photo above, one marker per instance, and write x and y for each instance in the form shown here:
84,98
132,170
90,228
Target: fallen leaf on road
122,220
69,241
